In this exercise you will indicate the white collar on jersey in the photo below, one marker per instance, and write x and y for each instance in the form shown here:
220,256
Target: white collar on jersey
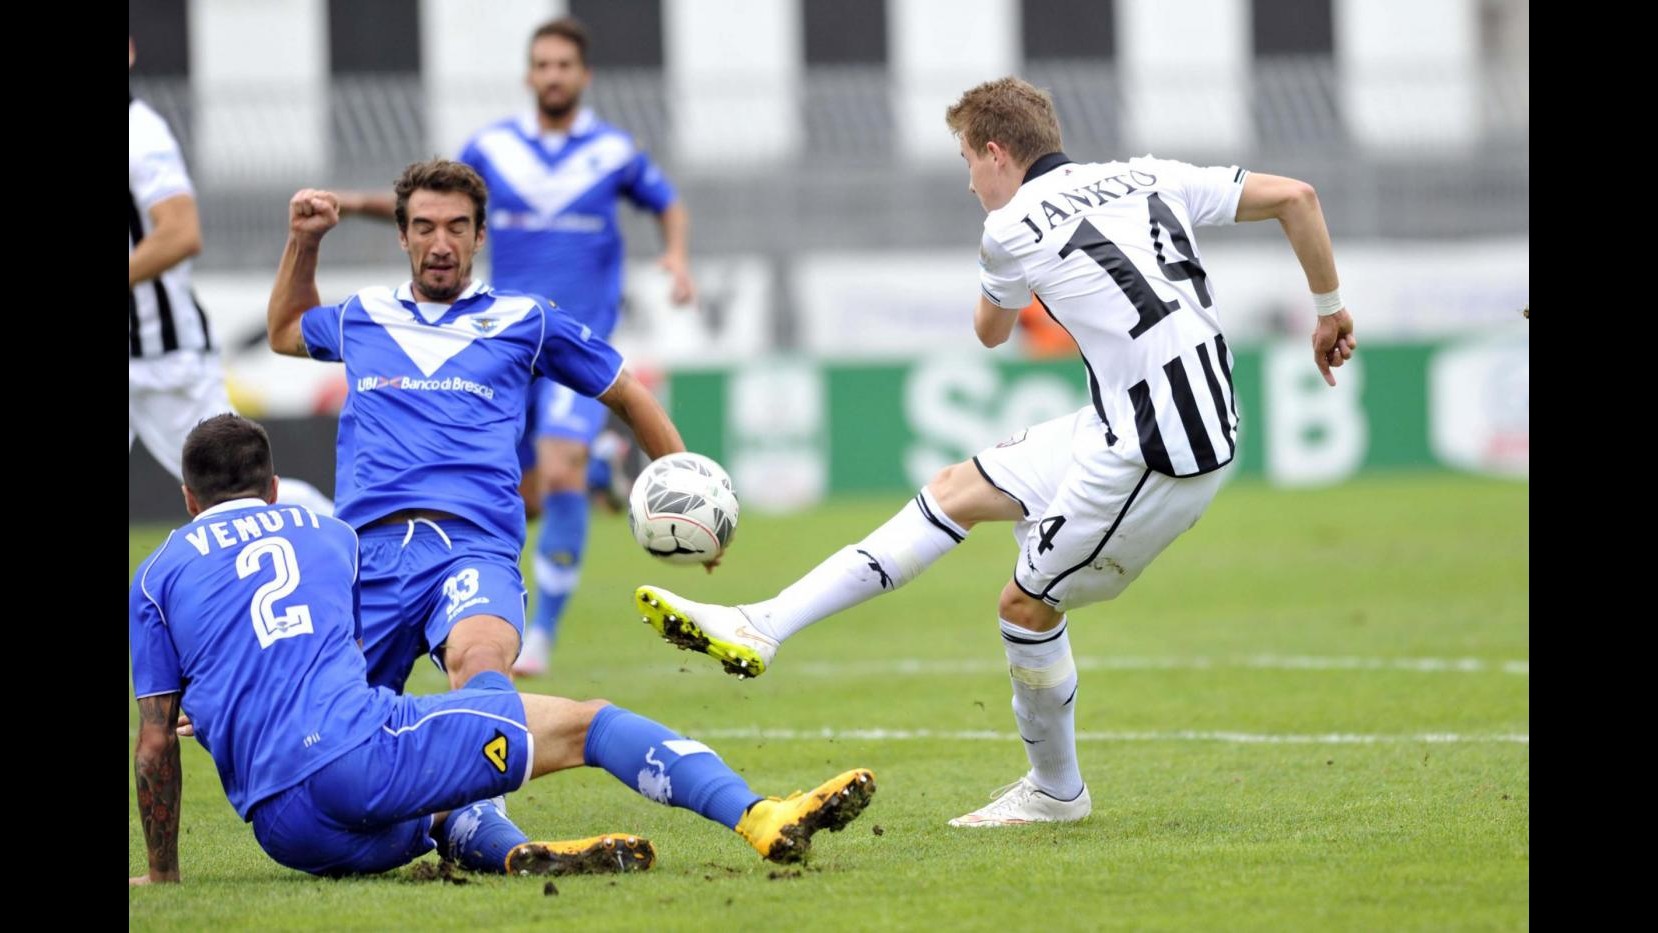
248,502
405,292
584,123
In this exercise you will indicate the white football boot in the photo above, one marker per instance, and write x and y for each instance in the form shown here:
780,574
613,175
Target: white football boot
1022,802
723,633
532,660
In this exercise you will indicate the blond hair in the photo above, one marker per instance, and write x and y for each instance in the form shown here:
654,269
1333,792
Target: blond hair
1017,115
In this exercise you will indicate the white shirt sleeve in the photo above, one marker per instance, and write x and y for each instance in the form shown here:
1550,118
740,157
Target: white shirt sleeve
155,166
1000,278
1211,193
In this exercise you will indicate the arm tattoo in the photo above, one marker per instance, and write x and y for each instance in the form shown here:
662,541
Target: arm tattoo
160,781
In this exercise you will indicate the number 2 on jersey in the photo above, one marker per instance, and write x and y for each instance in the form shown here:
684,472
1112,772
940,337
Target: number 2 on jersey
266,623
1134,286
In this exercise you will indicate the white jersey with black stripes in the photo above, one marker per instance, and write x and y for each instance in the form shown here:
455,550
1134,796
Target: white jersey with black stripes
1108,249
162,314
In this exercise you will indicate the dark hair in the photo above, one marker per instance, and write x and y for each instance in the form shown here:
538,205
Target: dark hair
441,175
227,457
1012,112
565,27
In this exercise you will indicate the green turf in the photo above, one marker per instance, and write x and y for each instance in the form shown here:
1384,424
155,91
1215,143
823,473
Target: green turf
1384,831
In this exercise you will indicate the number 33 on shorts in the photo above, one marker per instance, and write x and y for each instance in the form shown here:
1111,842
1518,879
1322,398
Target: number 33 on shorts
462,590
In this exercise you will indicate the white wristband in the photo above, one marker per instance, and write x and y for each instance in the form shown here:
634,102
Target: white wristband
1328,303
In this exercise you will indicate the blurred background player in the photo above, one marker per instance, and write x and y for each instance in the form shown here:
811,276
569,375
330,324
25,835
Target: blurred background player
174,379
339,777
555,175
1095,496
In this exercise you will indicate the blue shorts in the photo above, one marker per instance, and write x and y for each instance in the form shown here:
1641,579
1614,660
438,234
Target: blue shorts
560,412
370,810
419,578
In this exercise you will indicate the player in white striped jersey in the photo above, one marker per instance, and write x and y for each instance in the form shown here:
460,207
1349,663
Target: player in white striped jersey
1094,496
173,375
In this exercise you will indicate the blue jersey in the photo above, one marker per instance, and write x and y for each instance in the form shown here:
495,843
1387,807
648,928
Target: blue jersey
251,612
434,408
552,209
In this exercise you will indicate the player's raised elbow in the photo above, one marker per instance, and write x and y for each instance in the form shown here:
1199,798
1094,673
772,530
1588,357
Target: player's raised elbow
993,324
189,244
287,341
1275,197
155,743
176,225
1302,196
991,337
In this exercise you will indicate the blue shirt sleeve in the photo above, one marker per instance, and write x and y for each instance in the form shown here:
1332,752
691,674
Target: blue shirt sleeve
320,327
472,156
155,665
575,356
645,185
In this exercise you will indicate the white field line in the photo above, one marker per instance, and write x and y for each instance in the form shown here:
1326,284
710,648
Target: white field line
1185,735
889,666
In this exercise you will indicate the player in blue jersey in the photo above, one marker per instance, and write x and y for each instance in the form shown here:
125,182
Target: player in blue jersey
438,372
555,176
247,619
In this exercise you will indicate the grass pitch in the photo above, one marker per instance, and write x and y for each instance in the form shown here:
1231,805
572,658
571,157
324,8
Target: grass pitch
1311,712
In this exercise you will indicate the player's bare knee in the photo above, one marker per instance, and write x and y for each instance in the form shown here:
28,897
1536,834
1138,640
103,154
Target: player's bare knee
577,717
968,499
560,728
950,491
561,465
1025,611
477,644
941,480
562,476
471,660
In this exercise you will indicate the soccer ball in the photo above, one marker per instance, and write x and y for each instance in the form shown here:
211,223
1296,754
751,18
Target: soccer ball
683,509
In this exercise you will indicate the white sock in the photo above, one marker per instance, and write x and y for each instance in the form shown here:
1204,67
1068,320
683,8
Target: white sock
892,555
1044,690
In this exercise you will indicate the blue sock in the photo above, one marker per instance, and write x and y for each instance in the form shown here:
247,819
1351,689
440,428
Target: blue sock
666,767
558,557
479,836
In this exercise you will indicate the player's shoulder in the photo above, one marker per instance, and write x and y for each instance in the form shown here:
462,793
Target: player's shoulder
146,130
1160,168
374,297
333,525
1102,167
506,126
140,577
605,141
335,530
589,123
1003,225
513,300
530,308
510,310
141,114
1150,160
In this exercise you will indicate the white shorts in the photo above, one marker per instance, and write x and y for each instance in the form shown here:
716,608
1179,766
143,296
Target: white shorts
167,396
1093,518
